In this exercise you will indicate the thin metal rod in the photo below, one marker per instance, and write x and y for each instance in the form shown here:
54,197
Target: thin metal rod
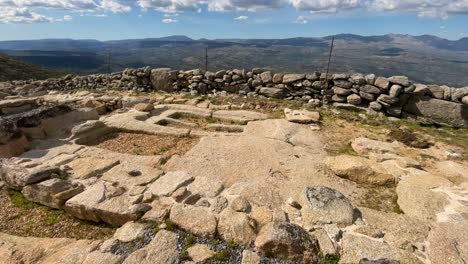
206,59
329,61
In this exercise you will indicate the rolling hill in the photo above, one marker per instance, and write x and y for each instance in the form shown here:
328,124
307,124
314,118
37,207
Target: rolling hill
12,69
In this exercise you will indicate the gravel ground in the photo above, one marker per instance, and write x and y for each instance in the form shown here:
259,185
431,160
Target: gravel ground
142,144
23,218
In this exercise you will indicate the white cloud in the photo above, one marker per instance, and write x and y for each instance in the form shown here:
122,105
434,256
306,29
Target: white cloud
32,11
244,5
325,6
301,20
67,18
241,18
21,15
169,20
114,6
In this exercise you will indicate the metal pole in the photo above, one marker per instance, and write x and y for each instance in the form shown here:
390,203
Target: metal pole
206,59
329,61
108,62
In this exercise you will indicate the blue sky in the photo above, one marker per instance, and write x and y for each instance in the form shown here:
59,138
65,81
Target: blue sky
127,19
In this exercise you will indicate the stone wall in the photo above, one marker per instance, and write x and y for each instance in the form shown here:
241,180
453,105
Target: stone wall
395,96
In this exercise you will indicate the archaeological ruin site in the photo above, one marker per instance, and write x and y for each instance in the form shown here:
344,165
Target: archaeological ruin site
237,166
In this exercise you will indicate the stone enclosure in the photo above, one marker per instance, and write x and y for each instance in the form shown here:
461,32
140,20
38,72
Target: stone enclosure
395,96
241,185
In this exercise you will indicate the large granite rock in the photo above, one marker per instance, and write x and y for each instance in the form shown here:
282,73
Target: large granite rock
287,241
17,177
454,114
53,193
358,249
237,226
162,79
161,250
197,220
323,205
360,170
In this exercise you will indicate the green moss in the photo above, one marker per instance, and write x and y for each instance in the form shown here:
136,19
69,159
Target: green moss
409,138
171,226
347,149
190,241
215,242
221,255
155,228
18,200
53,217
330,259
183,255
232,244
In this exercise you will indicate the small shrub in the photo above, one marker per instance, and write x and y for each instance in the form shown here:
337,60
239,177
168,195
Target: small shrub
170,226
330,259
221,255
231,244
190,241
155,228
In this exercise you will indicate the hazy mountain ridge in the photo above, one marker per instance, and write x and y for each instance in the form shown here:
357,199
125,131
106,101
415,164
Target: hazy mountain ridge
423,58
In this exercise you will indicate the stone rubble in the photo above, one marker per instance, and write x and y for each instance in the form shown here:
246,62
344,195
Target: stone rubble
264,185
395,96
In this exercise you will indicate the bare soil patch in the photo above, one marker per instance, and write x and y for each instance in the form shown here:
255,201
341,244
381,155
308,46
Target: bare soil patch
147,145
21,217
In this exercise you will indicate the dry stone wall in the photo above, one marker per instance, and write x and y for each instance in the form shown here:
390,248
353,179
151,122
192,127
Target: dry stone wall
395,96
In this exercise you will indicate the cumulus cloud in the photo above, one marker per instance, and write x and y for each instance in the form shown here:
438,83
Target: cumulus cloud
170,6
244,5
21,15
30,11
169,21
325,6
241,18
114,6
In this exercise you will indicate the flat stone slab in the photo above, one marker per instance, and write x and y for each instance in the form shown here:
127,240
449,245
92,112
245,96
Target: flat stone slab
357,248
197,220
105,202
239,116
301,116
170,182
87,167
129,175
52,193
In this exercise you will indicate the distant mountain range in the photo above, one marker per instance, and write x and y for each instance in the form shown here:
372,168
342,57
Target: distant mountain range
424,58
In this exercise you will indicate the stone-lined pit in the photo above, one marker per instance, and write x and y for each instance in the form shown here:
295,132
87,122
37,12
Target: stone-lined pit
143,144
200,123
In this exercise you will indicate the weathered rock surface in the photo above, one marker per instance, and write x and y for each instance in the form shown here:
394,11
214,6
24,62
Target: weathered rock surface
365,146
417,199
197,220
357,248
360,170
52,193
161,250
301,116
287,241
323,205
17,177
453,113
170,182
237,226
